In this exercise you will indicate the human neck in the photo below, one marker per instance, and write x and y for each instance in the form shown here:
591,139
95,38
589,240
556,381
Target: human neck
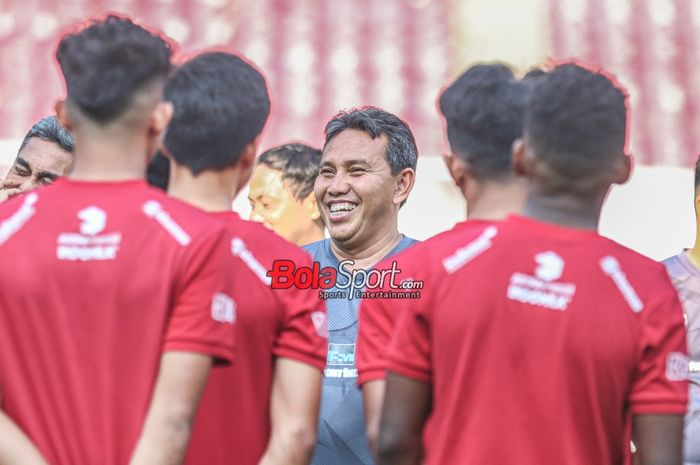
211,191
564,209
108,158
494,200
312,234
372,252
694,253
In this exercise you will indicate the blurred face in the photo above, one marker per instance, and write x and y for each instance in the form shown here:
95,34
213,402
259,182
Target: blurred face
40,162
274,205
355,189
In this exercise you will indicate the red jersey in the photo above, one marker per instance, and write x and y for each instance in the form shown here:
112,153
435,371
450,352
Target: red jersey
379,317
540,342
98,280
233,423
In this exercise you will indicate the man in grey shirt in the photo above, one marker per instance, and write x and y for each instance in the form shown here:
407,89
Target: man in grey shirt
367,172
684,270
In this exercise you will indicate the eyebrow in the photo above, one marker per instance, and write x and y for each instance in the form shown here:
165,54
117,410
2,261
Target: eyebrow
39,174
358,161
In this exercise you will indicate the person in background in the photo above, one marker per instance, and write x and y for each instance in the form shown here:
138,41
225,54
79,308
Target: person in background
281,193
46,153
684,270
483,111
264,408
367,173
537,329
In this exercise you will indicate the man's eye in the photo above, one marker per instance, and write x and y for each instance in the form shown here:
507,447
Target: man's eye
326,172
357,170
45,181
22,172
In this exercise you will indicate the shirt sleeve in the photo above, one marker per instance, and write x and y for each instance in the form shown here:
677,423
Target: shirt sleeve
378,319
661,382
203,311
303,329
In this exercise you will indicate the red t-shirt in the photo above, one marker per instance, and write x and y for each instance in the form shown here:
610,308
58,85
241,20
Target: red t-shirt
98,280
539,341
379,317
233,424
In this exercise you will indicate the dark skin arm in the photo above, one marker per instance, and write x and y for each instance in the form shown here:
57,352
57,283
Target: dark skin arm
373,395
407,404
659,439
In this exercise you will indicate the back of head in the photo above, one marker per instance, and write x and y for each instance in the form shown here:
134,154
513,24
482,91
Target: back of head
401,150
106,63
221,105
576,124
484,110
298,164
50,130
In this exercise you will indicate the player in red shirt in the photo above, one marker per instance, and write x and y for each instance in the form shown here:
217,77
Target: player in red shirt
483,111
263,409
114,297
537,341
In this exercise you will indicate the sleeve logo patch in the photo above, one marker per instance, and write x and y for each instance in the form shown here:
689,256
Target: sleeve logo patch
320,322
223,308
677,366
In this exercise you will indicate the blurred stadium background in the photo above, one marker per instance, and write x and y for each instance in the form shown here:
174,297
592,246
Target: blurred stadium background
320,56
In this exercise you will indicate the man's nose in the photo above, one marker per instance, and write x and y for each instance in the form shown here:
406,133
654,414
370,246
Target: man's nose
339,185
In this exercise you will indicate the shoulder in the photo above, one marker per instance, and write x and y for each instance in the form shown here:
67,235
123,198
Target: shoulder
317,249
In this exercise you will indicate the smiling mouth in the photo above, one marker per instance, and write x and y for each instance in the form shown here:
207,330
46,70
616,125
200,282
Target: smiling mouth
340,209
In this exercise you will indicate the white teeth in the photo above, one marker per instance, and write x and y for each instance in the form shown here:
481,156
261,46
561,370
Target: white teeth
342,207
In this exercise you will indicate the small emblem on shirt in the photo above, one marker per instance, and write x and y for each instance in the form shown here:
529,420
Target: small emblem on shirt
223,308
542,289
320,321
14,223
611,267
341,361
465,254
88,244
677,366
155,210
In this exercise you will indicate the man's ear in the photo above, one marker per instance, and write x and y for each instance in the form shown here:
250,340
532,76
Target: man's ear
311,207
457,167
405,181
249,153
62,114
160,117
520,160
624,169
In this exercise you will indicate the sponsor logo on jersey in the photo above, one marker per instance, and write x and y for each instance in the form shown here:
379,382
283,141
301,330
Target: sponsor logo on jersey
467,253
14,222
677,366
612,268
155,210
223,308
341,354
88,244
542,289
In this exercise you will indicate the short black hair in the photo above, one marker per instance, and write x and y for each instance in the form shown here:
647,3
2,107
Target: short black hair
401,150
221,105
50,130
484,110
298,163
576,121
107,62
158,171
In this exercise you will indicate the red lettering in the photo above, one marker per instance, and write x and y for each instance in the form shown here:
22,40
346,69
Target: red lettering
282,274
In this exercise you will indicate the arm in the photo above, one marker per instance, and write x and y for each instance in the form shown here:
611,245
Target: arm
15,447
168,424
659,439
373,395
405,412
296,392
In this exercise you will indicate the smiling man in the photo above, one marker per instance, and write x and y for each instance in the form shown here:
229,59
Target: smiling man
367,172
45,155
